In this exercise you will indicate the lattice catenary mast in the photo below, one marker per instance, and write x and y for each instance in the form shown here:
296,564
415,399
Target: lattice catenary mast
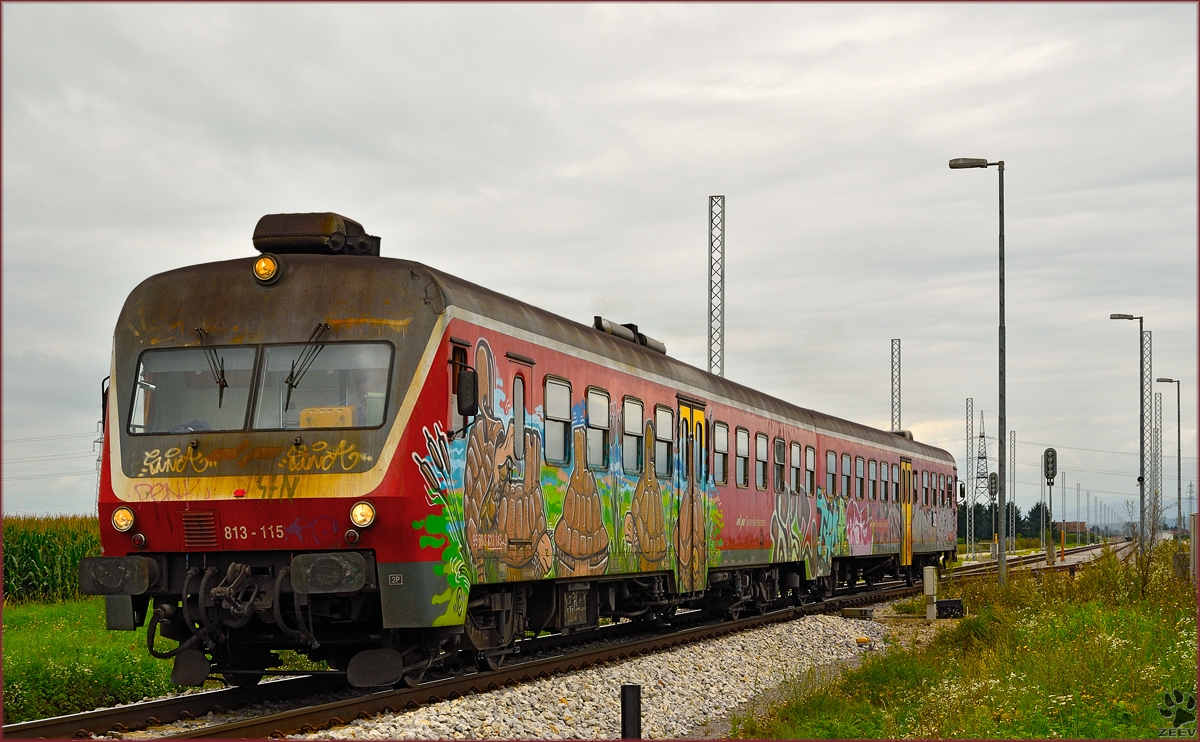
1156,462
1011,505
716,285
896,385
970,477
981,471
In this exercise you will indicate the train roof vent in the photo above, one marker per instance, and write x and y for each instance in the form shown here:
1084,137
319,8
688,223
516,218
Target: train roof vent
630,333
320,234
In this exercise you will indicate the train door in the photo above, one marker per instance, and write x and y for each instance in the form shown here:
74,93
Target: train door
906,498
691,539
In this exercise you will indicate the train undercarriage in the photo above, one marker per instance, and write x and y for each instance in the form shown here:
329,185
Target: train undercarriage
230,611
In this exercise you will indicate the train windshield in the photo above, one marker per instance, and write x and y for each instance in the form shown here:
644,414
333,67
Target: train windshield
188,390
331,385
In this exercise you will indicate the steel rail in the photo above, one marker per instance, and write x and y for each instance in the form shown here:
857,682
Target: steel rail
337,713
193,705
152,713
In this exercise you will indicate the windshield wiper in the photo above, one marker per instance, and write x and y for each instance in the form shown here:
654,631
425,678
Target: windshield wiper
300,365
216,364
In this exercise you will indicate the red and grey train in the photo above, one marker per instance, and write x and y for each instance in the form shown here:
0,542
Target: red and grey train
386,467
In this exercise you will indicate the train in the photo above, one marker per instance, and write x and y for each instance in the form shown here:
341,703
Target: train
388,468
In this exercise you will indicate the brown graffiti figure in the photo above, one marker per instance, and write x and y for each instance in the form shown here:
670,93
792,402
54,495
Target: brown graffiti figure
488,448
645,529
691,543
581,543
521,515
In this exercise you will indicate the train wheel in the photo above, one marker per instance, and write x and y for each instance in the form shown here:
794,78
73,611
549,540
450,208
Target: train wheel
490,661
242,679
413,679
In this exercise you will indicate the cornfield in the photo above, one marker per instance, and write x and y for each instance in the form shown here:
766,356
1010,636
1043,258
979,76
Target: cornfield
42,555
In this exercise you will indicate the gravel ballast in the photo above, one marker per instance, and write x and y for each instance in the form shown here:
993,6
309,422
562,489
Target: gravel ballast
681,689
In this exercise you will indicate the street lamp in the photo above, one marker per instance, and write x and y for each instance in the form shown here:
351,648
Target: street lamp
1141,426
960,163
1178,462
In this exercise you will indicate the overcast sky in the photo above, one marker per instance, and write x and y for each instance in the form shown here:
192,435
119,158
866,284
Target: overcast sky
564,155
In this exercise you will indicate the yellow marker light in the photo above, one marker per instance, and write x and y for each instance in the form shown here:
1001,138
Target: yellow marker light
362,514
122,519
266,269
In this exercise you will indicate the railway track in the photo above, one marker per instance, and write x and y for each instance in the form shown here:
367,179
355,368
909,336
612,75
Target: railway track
116,721
1035,562
341,711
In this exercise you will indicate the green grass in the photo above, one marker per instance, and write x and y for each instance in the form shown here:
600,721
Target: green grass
42,554
59,659
914,605
1044,657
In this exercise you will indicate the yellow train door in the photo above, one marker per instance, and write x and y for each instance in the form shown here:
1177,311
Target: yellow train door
691,538
906,505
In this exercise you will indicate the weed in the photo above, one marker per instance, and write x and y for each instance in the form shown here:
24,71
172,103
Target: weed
1044,656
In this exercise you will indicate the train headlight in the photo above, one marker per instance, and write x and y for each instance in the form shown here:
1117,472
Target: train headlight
122,519
267,269
362,514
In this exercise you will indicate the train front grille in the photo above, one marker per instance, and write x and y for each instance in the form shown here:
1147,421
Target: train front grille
199,529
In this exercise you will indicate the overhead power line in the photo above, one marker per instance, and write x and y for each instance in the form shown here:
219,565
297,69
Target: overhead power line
50,457
93,434
52,476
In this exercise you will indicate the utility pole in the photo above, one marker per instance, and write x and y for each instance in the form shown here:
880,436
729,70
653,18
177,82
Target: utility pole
716,285
1062,531
1042,515
1078,515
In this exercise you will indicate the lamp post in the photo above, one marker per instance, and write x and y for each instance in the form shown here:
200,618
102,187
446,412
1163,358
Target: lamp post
1141,425
1178,462
1001,561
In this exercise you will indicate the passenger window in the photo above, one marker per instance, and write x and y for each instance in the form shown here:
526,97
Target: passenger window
845,476
631,444
810,471
721,453
797,468
858,478
925,487
942,489
896,482
883,481
830,473
872,480
664,428
743,458
780,464
519,417
558,421
597,429
760,461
